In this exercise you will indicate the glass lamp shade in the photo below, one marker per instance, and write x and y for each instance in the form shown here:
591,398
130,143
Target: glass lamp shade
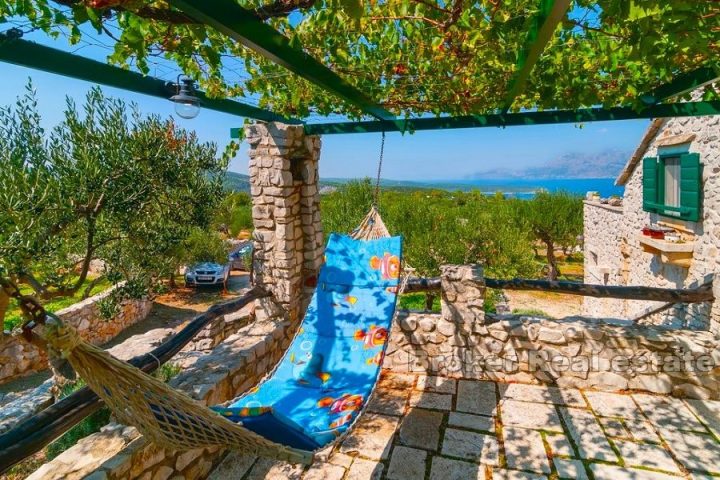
187,105
187,108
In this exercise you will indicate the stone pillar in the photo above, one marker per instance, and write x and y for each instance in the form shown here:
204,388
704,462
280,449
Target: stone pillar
288,238
463,294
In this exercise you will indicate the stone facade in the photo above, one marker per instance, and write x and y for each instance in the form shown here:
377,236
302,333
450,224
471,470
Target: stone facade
19,358
614,255
288,237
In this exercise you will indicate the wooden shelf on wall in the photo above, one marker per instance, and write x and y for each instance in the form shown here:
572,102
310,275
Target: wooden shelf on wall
679,254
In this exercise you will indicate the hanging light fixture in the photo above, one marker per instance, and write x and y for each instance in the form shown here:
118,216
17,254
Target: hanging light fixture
187,105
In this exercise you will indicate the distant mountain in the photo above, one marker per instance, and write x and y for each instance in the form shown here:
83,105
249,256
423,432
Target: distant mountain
237,182
605,164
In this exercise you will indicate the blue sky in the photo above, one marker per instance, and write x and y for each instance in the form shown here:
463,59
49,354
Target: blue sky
427,155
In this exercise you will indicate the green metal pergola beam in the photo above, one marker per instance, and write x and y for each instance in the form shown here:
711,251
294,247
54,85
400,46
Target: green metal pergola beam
690,109
681,84
243,26
541,30
40,57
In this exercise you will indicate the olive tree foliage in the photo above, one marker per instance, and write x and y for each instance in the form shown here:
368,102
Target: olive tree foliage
413,56
106,183
234,213
440,227
555,220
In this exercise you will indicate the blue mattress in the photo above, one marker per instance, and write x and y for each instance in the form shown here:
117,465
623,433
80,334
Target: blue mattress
329,370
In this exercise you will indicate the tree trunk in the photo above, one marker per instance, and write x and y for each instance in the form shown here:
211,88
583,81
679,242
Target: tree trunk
91,285
429,299
553,271
39,288
171,280
4,302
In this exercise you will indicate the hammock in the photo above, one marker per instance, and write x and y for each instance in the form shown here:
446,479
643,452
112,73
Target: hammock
315,393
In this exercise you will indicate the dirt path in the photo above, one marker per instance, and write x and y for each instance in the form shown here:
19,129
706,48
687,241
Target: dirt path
556,305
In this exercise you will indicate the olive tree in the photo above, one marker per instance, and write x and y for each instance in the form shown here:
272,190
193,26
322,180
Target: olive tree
107,183
555,220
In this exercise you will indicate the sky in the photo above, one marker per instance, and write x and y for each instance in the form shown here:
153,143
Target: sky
423,156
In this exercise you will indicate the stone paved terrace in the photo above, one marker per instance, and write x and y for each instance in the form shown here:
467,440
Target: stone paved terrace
436,428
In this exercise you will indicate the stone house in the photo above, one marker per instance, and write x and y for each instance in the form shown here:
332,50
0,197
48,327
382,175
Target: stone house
671,182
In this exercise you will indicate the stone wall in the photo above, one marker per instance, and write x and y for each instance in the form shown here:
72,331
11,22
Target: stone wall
288,238
231,368
573,352
641,268
19,358
604,262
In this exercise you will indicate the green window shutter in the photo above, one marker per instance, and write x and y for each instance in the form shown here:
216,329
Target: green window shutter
650,184
690,186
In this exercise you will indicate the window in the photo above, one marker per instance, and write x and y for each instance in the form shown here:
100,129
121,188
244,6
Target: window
672,181
672,185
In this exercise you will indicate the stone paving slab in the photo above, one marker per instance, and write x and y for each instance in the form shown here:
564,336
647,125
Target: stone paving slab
421,428
603,471
473,446
449,469
437,384
694,451
560,445
585,431
435,401
542,394
524,450
669,413
539,416
502,474
476,397
646,455
362,469
461,433
471,422
612,404
570,469
407,464
709,413
389,401
372,435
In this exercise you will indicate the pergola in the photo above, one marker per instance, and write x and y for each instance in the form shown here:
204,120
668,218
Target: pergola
245,27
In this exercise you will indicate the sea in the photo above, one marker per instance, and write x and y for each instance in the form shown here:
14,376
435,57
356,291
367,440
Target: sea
526,188
511,187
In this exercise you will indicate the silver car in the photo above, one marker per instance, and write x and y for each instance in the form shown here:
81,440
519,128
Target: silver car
241,256
207,273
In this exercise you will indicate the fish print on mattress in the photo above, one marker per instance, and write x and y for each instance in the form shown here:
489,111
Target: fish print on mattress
329,370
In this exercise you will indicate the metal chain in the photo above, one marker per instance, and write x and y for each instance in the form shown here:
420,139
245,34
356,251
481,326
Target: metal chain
33,311
376,195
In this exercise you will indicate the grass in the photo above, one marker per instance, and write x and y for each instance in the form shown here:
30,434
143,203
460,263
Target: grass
534,312
416,301
14,317
87,426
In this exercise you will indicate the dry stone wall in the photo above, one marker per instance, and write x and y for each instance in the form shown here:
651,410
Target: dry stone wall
573,352
19,358
700,135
